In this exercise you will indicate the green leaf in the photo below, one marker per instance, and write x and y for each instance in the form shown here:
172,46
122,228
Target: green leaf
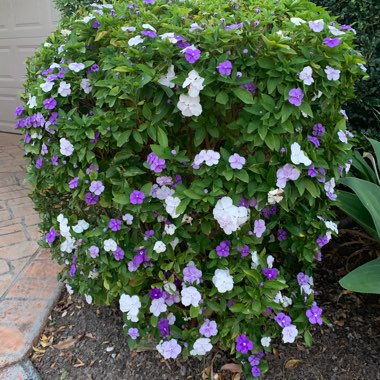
242,175
238,308
194,311
350,204
376,148
222,98
369,195
162,138
122,137
365,279
266,63
263,130
244,95
308,338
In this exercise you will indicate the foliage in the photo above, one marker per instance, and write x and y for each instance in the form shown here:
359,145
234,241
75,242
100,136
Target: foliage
69,7
184,181
365,279
364,16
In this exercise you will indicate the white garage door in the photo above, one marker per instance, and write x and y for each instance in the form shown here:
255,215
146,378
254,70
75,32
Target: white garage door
24,24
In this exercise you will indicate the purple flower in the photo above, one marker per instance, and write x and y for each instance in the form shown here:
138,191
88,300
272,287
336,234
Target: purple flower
19,111
192,274
94,251
96,24
236,161
149,33
192,54
96,137
223,249
94,68
314,315
255,371
181,42
96,187
243,344
114,224
73,270
281,234
253,360
39,162
92,168
302,278
259,228
155,293
225,68
244,250
208,329
156,164
133,332
318,130
270,273
118,254
312,171
74,183
322,240
331,41
137,197
91,199
283,320
249,87
149,1
51,235
295,96
54,160
163,326
314,140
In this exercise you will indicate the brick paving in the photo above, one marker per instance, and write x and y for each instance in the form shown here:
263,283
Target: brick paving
28,277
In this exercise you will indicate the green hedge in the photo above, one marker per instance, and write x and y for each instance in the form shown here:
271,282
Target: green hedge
69,7
364,17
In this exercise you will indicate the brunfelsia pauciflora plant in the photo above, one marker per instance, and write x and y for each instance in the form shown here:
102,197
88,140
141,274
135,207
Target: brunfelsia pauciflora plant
183,157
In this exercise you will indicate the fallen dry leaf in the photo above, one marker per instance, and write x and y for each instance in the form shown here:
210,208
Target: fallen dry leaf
232,367
292,363
35,349
90,336
236,376
67,343
275,351
79,363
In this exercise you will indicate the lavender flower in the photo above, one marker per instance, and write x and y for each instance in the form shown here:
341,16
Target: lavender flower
295,96
283,320
223,249
314,315
118,254
314,140
243,344
192,54
270,273
114,224
318,130
225,68
137,197
163,326
51,235
331,41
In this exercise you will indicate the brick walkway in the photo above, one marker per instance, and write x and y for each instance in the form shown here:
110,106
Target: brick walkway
28,284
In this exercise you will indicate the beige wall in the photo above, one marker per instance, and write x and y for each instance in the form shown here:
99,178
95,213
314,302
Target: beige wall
24,24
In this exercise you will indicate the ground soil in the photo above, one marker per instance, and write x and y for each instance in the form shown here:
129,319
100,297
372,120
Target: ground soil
86,342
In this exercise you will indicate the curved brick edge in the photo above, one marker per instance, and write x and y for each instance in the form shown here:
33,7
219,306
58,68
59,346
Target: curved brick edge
20,371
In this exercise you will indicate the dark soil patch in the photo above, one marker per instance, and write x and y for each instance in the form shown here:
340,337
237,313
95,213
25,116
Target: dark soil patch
348,349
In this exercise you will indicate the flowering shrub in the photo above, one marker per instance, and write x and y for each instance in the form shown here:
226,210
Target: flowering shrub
68,8
183,157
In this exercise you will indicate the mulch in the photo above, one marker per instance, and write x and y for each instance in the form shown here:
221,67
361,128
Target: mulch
86,342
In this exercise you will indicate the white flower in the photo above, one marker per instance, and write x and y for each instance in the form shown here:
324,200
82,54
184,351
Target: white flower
81,226
255,260
201,346
170,228
64,89
85,85
65,32
343,113
131,306
47,44
174,243
222,280
270,261
61,219
55,65
88,18
68,245
334,31
148,26
286,301
158,306
69,289
128,28
166,80
32,102
159,247
297,21
170,287
187,219
317,95
316,26
46,86
134,41
275,196
128,218
66,148
190,296
163,192
211,158
330,186
298,156
171,318
265,341
306,75
331,226
194,82
171,204
342,136
110,245
88,298
170,349
170,37
289,334
332,74
362,67
61,49
189,106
